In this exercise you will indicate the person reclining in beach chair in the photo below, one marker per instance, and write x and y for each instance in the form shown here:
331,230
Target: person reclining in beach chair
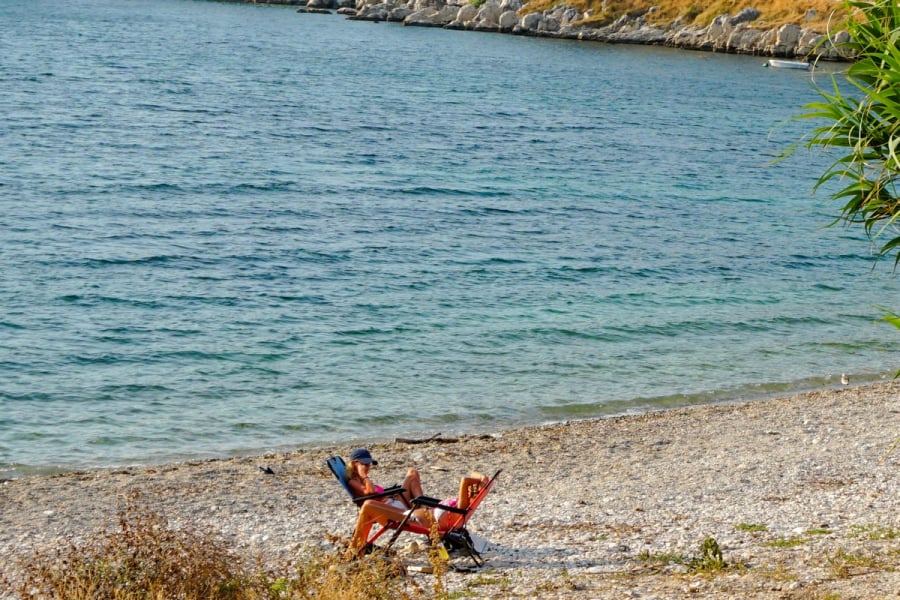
406,508
357,477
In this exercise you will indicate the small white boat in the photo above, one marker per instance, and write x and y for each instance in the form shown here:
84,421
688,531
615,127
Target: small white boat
787,64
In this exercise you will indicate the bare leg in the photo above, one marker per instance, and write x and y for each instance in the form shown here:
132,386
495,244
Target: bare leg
413,486
469,487
372,512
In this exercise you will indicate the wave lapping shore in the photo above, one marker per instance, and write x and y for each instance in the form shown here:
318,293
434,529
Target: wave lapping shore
801,494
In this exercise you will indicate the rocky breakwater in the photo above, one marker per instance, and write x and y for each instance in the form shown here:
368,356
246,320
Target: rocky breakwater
738,34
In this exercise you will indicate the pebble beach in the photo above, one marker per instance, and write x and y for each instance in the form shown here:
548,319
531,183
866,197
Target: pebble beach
801,494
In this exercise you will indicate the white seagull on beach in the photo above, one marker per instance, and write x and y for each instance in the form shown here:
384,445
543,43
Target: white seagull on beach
844,379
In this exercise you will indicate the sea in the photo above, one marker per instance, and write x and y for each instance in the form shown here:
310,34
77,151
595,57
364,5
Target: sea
229,229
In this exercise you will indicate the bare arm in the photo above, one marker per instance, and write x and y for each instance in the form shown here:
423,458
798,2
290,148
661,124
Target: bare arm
361,486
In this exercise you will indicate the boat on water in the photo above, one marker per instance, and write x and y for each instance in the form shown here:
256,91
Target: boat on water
779,63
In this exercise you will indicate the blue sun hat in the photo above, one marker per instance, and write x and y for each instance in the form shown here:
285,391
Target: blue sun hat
361,455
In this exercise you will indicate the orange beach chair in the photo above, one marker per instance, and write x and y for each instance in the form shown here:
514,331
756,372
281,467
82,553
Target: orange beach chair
453,532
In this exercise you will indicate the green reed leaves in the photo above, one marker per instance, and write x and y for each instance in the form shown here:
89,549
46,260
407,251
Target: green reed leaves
866,127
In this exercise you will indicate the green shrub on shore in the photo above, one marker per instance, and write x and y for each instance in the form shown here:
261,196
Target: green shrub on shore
708,559
875,532
790,542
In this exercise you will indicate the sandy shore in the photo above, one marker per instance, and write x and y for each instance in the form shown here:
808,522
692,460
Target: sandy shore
801,493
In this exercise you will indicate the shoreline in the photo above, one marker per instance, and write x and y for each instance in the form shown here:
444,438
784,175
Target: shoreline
729,34
787,486
650,405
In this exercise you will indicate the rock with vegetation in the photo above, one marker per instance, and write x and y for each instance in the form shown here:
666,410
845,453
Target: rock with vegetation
745,32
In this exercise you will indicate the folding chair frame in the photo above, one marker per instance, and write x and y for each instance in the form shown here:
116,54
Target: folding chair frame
454,537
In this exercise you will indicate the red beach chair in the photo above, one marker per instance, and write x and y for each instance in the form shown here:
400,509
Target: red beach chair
453,533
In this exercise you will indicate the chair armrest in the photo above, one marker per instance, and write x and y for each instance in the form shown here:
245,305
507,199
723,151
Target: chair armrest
435,503
425,501
391,491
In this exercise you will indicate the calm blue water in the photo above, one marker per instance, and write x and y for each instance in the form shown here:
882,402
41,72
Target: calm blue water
228,229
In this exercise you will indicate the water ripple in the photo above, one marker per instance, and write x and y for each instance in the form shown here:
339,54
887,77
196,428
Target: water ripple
212,247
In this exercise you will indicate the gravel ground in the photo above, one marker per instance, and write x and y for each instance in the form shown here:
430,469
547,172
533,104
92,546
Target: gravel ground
801,494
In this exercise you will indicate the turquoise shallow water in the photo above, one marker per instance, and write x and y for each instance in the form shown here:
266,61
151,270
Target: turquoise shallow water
229,229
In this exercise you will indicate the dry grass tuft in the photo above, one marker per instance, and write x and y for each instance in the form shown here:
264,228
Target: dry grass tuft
846,563
817,15
324,575
145,558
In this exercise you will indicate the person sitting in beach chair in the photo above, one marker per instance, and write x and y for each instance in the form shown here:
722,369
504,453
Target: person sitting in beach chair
357,477
407,509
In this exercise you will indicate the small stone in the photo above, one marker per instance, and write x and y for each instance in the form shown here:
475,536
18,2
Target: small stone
601,569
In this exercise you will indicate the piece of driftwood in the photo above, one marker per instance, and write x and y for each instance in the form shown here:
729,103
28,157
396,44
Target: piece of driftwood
435,438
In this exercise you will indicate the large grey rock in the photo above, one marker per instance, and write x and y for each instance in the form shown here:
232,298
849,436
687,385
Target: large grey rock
786,38
488,18
743,40
644,35
549,24
689,37
745,16
398,14
621,22
566,14
373,12
766,40
424,17
432,17
417,5
718,30
467,13
807,42
447,13
837,47
531,22
508,20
